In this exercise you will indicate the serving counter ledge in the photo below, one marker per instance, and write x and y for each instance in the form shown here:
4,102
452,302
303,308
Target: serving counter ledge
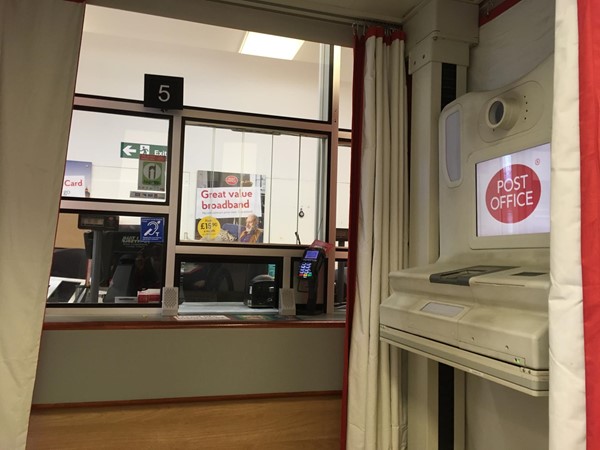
147,320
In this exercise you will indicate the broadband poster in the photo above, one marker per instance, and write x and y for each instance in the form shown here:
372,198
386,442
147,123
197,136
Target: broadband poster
513,193
225,203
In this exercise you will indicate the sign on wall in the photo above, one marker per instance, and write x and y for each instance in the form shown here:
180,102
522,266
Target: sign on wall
74,186
223,203
163,92
151,173
78,179
228,202
152,229
133,150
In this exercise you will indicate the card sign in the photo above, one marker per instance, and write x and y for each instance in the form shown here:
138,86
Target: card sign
74,186
163,92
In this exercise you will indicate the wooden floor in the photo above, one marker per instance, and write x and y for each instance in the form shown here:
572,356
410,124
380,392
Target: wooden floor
306,423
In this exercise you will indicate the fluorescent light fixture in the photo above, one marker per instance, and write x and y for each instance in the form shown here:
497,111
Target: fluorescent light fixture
270,46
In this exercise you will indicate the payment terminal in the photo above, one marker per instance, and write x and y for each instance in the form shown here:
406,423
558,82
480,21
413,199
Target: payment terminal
310,266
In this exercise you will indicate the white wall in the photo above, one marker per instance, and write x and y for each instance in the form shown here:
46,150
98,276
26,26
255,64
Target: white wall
512,45
110,365
114,66
499,418
119,47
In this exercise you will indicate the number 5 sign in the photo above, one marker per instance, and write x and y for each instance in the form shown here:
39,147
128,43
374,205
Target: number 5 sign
163,92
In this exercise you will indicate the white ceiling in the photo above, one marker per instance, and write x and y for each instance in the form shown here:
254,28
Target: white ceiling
154,28
130,25
327,21
147,27
162,30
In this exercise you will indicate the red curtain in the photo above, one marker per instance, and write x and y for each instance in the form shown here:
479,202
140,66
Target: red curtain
589,104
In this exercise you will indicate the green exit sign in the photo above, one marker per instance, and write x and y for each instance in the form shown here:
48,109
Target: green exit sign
134,150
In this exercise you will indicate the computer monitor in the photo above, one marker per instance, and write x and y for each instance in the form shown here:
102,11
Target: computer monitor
512,197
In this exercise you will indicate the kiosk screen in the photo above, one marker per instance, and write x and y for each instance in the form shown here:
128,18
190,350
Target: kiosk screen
513,193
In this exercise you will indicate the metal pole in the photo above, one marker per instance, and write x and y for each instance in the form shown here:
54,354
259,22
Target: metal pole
96,259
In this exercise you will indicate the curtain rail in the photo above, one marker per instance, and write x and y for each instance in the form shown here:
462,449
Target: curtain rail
330,17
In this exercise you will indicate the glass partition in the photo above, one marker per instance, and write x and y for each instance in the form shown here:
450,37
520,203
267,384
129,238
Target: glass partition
230,284
217,75
244,170
117,157
252,186
346,76
102,258
343,191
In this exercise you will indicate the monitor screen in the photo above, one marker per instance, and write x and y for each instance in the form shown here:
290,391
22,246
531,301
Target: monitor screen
513,193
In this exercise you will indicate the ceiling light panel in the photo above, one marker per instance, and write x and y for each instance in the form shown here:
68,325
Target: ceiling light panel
270,46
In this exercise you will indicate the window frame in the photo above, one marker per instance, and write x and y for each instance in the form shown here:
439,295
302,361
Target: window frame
300,132
148,113
170,208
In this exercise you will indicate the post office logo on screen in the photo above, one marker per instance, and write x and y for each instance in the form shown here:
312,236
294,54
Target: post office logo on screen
513,193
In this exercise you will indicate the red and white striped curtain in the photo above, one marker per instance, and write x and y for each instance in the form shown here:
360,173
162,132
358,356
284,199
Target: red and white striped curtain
589,122
574,306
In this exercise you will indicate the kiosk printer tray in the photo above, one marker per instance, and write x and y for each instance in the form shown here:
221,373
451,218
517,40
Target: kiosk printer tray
491,321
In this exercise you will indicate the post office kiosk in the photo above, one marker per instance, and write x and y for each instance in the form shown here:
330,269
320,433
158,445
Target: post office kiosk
482,307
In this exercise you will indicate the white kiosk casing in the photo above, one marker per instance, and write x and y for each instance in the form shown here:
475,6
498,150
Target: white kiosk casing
482,307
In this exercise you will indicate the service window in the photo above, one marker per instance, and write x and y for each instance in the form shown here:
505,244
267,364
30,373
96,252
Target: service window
228,284
244,174
108,259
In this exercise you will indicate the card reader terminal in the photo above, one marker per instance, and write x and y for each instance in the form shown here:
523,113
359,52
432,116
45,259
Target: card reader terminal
311,263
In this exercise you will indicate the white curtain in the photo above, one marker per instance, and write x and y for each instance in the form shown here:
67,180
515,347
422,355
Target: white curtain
39,46
374,417
567,373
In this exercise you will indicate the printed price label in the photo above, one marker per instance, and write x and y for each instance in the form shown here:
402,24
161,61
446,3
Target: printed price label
209,227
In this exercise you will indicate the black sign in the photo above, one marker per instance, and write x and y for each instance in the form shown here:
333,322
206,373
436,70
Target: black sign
163,92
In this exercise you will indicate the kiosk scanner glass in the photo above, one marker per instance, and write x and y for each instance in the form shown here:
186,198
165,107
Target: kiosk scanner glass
513,199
